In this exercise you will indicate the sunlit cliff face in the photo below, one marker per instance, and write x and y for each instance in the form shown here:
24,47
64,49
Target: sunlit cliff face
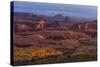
40,24
87,26
22,27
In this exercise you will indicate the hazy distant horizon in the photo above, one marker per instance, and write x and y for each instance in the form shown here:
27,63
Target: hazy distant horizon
48,9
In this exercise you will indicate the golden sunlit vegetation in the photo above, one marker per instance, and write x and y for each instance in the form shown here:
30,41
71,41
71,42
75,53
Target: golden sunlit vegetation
21,54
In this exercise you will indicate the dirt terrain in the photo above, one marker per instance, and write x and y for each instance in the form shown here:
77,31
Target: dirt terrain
40,47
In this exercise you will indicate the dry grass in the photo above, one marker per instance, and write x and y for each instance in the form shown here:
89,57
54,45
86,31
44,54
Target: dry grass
21,54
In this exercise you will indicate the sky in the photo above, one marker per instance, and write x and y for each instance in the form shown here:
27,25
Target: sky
51,9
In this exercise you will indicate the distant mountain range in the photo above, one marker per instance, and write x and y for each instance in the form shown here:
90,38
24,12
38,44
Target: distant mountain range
60,18
51,21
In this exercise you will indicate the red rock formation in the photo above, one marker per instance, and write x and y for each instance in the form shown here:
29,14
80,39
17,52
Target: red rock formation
40,24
